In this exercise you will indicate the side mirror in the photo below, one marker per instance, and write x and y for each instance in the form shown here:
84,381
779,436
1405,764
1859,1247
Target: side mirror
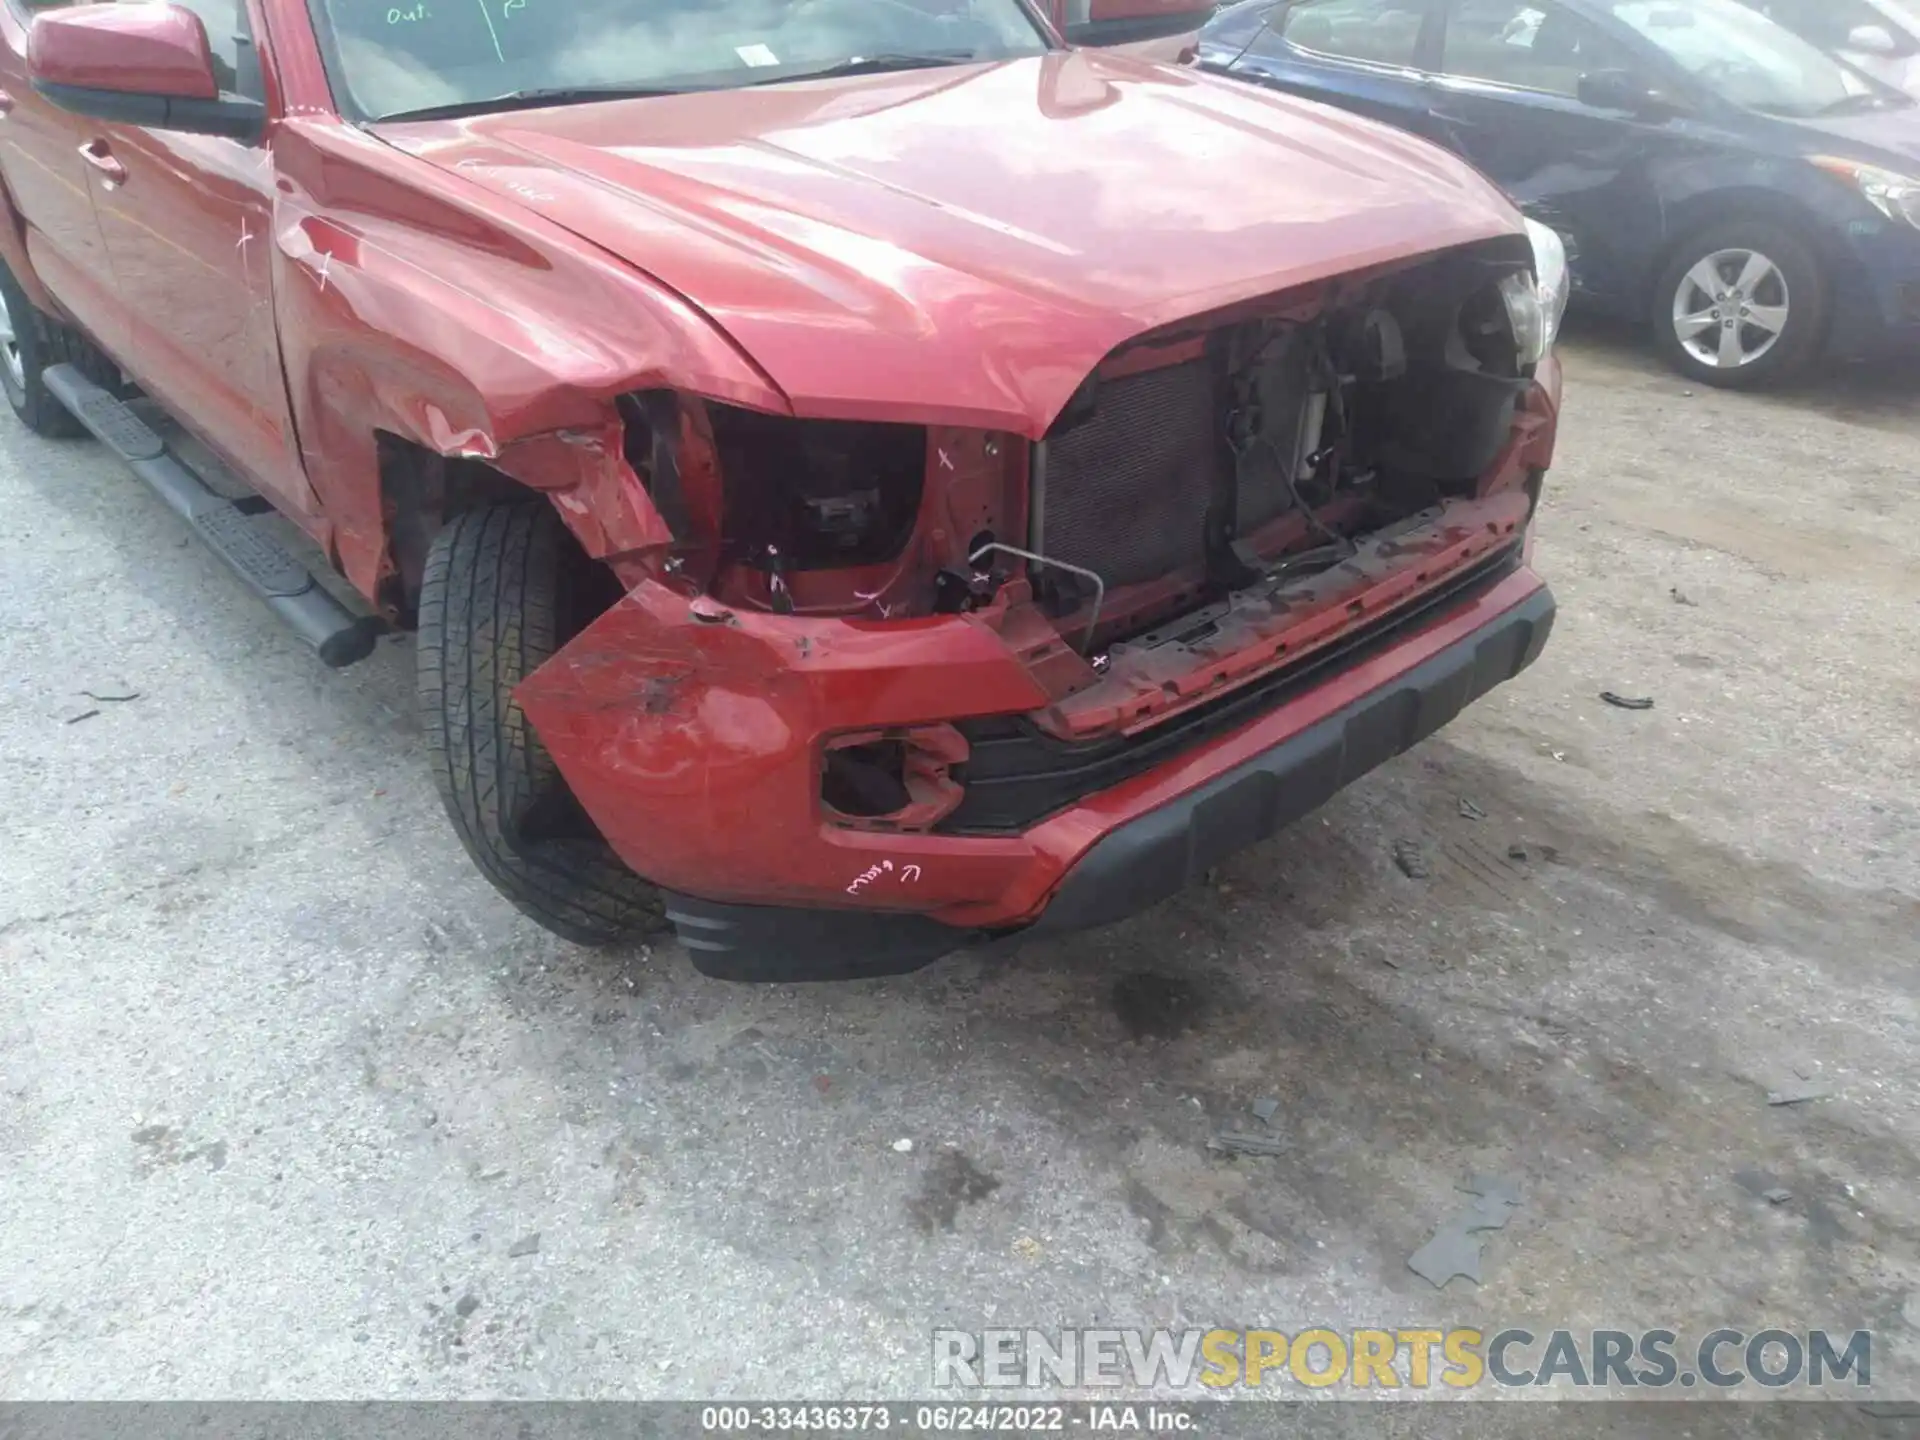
1872,40
1621,90
145,64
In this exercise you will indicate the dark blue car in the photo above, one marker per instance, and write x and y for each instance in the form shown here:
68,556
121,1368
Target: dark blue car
1756,199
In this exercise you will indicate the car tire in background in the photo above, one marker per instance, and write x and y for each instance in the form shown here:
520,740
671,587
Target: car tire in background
30,343
1741,304
503,589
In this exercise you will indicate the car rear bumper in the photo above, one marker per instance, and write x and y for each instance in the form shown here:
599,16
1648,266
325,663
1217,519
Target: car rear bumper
1147,840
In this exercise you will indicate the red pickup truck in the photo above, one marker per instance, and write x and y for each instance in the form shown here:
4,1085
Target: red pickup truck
866,476
1117,22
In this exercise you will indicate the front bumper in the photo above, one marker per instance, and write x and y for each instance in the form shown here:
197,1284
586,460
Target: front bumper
1105,857
1876,302
1159,854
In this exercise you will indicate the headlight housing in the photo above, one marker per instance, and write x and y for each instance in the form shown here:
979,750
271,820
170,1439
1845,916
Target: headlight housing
1536,303
1894,195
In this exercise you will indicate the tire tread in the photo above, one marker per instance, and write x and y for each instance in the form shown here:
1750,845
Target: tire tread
489,612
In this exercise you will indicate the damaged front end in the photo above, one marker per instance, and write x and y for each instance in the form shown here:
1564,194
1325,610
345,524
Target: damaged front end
922,669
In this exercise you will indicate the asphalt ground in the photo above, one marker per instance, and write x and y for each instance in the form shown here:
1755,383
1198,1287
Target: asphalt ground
286,1089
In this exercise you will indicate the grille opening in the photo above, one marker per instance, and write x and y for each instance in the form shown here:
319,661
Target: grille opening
1274,439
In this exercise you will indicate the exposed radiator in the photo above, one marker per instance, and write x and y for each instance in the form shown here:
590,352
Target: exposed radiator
1127,490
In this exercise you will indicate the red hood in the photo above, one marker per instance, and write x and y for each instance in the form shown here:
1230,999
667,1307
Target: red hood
964,245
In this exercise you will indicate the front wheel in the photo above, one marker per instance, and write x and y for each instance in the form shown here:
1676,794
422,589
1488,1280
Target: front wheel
29,344
1741,304
503,589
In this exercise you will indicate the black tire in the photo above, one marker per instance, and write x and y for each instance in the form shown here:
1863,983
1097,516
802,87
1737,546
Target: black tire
38,342
1798,283
503,589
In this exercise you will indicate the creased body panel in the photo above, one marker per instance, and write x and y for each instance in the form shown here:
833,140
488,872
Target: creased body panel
414,304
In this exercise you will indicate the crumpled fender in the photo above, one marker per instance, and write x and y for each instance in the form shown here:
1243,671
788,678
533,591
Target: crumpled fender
406,305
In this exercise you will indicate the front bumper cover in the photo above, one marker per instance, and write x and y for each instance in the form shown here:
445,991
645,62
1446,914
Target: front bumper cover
1155,854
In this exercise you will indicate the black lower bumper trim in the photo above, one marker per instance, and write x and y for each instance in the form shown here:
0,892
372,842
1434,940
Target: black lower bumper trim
1148,859
1155,856
768,943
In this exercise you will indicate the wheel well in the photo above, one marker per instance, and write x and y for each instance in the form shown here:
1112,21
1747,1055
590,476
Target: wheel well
1720,207
420,491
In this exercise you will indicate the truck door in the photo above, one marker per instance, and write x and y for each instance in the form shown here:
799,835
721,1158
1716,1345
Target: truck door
47,176
188,224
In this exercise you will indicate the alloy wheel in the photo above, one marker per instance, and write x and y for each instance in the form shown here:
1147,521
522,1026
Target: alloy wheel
1731,308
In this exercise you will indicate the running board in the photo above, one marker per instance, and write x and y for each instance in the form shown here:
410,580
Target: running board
337,635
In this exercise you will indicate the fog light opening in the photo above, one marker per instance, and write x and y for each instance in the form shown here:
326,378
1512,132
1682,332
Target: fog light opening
893,780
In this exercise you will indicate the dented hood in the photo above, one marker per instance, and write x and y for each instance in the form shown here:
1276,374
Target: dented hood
963,245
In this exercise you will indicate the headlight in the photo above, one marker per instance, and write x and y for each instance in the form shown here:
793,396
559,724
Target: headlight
1537,302
1895,196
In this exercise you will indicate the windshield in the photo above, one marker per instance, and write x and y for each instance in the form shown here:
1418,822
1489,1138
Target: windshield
391,57
1749,60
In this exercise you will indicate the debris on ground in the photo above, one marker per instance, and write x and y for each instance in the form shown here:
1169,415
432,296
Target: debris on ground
1412,859
525,1245
83,715
1265,1108
1778,1195
1455,1246
1238,1142
1680,597
112,699
903,1147
1627,702
1516,852
1027,1248
1471,811
1797,1094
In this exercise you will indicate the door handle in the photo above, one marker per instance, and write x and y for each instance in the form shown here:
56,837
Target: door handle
96,154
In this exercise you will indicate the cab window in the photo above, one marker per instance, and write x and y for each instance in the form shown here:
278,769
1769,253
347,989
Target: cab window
1527,45
1373,32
